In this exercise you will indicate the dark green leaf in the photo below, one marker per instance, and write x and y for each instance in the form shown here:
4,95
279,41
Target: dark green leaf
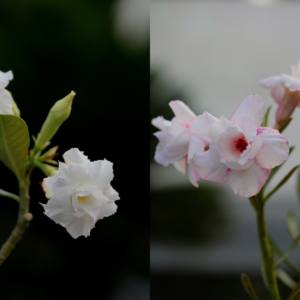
284,125
292,224
248,287
265,120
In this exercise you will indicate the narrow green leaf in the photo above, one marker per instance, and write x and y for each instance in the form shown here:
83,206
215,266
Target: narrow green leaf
284,125
274,170
291,222
8,195
264,272
265,120
276,250
286,278
288,251
282,182
14,143
248,287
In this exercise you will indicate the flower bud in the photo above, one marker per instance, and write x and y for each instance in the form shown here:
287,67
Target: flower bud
46,169
57,115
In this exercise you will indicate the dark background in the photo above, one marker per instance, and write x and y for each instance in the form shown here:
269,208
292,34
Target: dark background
54,47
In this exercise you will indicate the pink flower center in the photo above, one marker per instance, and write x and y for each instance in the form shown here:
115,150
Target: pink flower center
241,144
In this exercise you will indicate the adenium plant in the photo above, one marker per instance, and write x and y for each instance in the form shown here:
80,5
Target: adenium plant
78,190
246,154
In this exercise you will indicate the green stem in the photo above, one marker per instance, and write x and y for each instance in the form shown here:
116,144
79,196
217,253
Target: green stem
267,258
24,217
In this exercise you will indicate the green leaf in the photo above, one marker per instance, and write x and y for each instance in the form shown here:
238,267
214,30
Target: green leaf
284,125
291,222
248,287
265,120
8,195
295,296
282,182
264,272
286,278
276,250
14,144
274,170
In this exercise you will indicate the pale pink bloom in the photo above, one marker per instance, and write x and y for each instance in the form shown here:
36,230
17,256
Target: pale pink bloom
176,144
285,89
240,151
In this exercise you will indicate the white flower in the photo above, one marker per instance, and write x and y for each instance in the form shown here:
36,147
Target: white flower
80,194
6,100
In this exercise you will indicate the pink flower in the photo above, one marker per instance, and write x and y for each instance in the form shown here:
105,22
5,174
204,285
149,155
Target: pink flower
176,144
239,150
285,90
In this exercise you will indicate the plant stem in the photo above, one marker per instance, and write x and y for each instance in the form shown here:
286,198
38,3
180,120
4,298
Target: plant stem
24,217
267,258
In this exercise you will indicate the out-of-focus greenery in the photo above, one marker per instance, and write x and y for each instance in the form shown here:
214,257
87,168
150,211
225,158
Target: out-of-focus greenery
54,47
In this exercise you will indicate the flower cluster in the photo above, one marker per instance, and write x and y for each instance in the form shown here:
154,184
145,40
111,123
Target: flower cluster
6,101
80,194
237,151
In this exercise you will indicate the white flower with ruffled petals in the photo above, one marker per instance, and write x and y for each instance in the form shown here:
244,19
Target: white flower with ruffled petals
240,151
80,194
6,100
176,144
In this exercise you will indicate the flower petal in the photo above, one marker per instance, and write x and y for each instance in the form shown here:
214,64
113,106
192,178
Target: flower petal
174,150
47,186
197,145
296,70
278,93
183,113
252,106
107,209
274,150
112,194
6,102
270,82
5,77
79,226
160,123
181,164
75,156
209,170
202,125
219,127
247,124
247,183
193,173
291,82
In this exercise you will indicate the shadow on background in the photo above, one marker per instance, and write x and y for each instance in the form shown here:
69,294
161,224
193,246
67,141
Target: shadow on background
54,47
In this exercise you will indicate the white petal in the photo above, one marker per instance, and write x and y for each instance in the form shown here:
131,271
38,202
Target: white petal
183,113
219,127
79,226
5,78
254,147
6,102
107,209
197,145
274,150
296,70
278,94
75,156
202,126
209,170
193,173
247,183
181,164
291,82
160,123
111,194
238,166
247,125
252,106
270,82
174,150
47,185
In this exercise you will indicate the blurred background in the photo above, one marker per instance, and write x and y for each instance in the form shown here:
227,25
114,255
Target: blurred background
99,49
211,54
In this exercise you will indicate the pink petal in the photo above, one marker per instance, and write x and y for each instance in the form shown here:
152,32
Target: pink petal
291,82
237,166
247,124
181,164
278,94
274,150
247,183
183,113
160,123
175,149
270,82
219,127
202,126
193,173
210,171
296,70
250,153
252,106
196,145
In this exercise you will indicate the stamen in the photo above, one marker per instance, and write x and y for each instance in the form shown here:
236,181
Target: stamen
241,144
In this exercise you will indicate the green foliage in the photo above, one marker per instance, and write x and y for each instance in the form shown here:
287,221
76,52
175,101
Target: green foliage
248,287
14,144
265,120
284,125
292,224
